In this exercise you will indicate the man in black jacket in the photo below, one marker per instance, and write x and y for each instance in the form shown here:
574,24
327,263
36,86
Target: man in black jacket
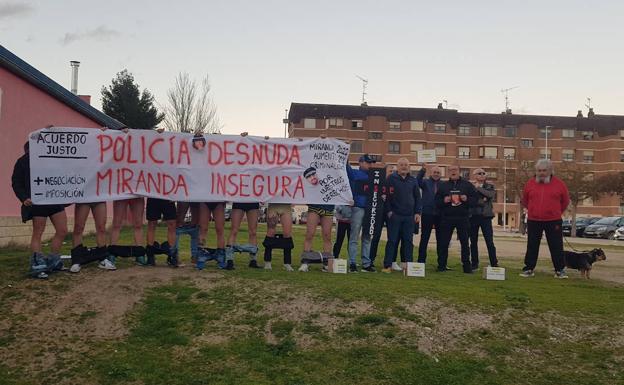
454,199
481,217
403,213
39,265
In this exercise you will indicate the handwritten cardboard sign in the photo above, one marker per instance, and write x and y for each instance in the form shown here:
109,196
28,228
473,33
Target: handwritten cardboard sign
426,156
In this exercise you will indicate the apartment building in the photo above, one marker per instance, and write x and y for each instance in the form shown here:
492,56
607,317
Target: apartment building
502,144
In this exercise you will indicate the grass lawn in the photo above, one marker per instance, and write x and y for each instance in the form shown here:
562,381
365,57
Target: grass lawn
181,326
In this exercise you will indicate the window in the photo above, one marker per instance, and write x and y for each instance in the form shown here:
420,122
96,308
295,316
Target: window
439,127
440,149
527,143
415,147
489,131
510,131
488,152
335,122
588,202
463,130
490,174
567,155
357,124
587,135
309,123
509,153
356,146
417,125
394,126
375,135
464,173
377,157
621,155
394,147
622,134
463,152
588,156
567,133
545,154
545,132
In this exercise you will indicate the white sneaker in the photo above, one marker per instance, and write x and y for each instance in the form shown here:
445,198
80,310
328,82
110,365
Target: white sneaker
75,268
107,265
288,267
267,266
304,268
396,267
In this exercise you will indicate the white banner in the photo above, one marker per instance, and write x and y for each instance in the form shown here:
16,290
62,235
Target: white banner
76,165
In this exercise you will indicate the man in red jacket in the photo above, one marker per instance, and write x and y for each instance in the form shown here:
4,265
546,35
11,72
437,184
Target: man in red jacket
546,198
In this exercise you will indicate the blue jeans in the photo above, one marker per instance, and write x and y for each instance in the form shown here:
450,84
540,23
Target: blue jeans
400,227
357,216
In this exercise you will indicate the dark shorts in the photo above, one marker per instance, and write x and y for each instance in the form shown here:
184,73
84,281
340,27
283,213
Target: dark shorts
213,205
91,205
46,210
246,206
322,210
160,208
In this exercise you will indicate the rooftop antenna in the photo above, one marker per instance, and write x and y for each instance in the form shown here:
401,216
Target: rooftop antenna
588,105
445,104
506,92
364,85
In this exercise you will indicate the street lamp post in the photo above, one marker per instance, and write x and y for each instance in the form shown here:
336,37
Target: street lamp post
505,157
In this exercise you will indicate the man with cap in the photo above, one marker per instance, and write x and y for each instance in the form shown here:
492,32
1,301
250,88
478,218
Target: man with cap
358,179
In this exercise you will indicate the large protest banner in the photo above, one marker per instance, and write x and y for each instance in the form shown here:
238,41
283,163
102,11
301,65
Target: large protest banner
74,165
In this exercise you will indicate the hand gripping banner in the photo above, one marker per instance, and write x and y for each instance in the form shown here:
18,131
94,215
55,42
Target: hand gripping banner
76,165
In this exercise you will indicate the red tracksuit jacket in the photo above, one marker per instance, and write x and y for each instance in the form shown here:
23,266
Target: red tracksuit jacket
545,201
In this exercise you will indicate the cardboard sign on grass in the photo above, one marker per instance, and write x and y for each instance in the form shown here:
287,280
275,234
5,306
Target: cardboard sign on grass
337,265
494,273
414,269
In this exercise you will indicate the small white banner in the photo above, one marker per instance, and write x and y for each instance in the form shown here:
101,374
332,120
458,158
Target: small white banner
82,165
414,269
426,156
494,273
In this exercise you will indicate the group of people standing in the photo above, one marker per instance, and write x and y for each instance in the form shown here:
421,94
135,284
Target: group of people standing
410,203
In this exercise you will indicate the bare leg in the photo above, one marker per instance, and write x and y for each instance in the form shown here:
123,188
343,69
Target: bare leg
252,223
236,219
151,232
137,208
313,220
171,232
326,229
219,218
119,213
81,213
286,220
99,216
39,224
59,220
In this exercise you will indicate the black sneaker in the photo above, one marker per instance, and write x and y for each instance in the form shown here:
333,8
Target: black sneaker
172,260
369,269
254,264
229,265
443,269
353,268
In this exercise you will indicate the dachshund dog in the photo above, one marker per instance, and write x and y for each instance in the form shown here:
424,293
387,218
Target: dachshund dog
583,261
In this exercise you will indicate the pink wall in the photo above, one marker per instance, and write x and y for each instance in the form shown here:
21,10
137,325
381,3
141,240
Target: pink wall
23,109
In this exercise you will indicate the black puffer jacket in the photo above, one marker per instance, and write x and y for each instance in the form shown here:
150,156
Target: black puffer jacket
458,208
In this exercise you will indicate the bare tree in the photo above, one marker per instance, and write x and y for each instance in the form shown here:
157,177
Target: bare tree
581,186
190,107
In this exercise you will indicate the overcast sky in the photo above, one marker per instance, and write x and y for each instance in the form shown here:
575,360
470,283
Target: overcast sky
263,55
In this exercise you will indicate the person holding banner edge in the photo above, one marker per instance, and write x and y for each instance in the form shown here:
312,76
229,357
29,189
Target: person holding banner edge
81,255
40,265
358,179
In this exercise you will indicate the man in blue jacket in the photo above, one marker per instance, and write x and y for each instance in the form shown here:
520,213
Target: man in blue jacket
358,179
430,215
403,213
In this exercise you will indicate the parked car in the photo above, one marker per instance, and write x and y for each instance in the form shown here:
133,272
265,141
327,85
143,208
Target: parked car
581,225
619,234
604,228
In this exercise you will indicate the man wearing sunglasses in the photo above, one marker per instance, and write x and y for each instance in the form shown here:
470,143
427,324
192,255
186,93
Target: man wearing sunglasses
481,218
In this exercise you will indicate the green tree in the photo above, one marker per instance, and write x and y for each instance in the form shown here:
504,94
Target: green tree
124,101
581,186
